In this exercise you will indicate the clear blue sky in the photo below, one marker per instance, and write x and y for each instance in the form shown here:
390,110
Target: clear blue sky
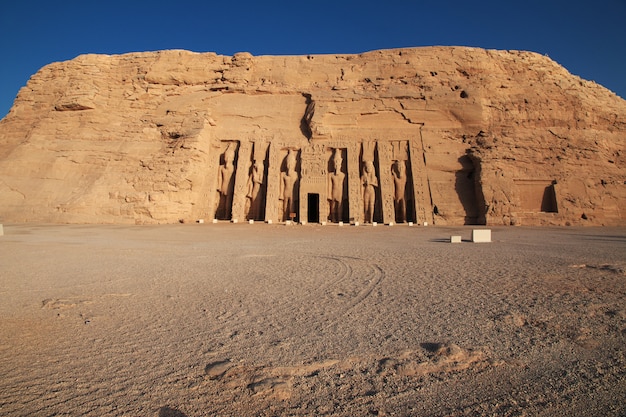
587,37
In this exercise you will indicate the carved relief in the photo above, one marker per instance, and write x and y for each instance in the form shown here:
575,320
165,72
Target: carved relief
355,195
313,164
385,160
398,171
370,183
289,186
400,149
313,189
334,181
336,187
226,182
272,203
241,181
257,186
421,188
402,201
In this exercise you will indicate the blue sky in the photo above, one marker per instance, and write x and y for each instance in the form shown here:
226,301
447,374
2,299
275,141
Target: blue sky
586,37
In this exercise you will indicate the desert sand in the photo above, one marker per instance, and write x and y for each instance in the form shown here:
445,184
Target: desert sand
258,320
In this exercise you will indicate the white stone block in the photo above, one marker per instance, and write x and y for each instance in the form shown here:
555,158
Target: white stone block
455,239
340,223
323,223
200,221
303,223
390,223
374,224
269,221
410,224
425,223
481,235
356,223
234,220
287,222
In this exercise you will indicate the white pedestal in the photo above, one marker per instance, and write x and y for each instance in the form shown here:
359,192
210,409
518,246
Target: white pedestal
481,235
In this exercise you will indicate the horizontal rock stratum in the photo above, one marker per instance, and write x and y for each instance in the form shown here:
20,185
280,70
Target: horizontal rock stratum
444,135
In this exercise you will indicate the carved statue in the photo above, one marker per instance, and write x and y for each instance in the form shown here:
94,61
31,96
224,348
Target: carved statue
287,185
369,182
257,178
336,188
398,170
226,180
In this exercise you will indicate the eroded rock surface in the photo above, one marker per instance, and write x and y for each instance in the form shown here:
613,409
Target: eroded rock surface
481,137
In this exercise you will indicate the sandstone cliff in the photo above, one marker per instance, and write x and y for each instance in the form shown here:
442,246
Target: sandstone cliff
487,137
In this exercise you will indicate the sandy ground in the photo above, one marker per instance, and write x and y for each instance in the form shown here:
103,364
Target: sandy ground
244,320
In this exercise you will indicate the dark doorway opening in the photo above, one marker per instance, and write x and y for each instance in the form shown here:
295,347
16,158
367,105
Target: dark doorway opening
313,208
548,202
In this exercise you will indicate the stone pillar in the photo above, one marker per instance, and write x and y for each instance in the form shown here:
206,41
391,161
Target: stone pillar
213,195
355,191
385,181
421,187
241,181
273,205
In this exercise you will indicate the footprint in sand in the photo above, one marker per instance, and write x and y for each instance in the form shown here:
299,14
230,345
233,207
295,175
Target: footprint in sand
437,358
276,387
216,370
62,304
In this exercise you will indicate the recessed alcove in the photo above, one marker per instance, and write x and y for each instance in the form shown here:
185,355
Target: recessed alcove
537,195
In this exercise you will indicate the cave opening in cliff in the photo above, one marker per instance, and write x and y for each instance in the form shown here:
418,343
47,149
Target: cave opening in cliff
468,190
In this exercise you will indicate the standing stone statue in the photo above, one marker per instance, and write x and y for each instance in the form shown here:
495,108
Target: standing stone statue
369,182
336,188
257,178
288,185
398,170
226,181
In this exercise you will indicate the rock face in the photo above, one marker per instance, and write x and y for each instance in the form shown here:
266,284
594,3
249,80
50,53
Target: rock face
443,135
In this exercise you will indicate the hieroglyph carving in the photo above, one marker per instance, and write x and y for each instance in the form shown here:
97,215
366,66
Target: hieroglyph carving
385,158
355,193
313,164
313,174
273,203
421,186
241,181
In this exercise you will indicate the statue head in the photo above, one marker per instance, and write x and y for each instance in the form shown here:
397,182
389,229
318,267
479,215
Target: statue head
337,160
400,167
291,161
229,154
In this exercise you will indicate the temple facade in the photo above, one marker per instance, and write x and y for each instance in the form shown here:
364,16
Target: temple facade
327,181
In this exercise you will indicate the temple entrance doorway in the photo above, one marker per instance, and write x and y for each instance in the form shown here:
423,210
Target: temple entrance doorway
313,206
